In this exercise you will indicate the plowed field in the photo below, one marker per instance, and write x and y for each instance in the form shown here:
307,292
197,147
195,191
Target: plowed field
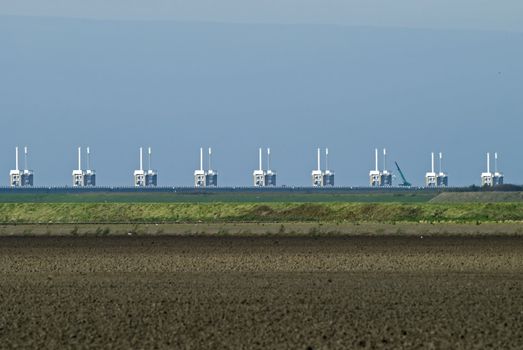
261,293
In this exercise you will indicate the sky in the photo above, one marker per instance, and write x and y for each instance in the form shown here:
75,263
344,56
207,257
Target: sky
435,14
293,76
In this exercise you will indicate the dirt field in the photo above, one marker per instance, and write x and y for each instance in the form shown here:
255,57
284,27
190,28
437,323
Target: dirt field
266,293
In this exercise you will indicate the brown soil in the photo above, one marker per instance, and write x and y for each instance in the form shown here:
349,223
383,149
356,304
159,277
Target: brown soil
298,293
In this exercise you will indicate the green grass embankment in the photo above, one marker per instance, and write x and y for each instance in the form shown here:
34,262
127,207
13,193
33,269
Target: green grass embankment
478,197
95,213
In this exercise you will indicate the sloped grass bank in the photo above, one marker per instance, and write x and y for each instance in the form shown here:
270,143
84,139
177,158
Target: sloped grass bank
85,213
478,197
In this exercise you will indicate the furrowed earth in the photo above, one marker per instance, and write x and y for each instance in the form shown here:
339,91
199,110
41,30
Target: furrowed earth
261,292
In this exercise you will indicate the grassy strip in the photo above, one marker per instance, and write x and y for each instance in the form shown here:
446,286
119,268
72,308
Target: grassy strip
34,213
213,197
299,229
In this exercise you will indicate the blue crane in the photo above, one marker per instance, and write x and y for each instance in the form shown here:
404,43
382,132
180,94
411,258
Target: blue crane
405,182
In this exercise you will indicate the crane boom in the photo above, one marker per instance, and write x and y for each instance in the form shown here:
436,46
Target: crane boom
405,182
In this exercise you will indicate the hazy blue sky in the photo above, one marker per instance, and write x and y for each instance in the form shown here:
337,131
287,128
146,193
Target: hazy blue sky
464,14
117,85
